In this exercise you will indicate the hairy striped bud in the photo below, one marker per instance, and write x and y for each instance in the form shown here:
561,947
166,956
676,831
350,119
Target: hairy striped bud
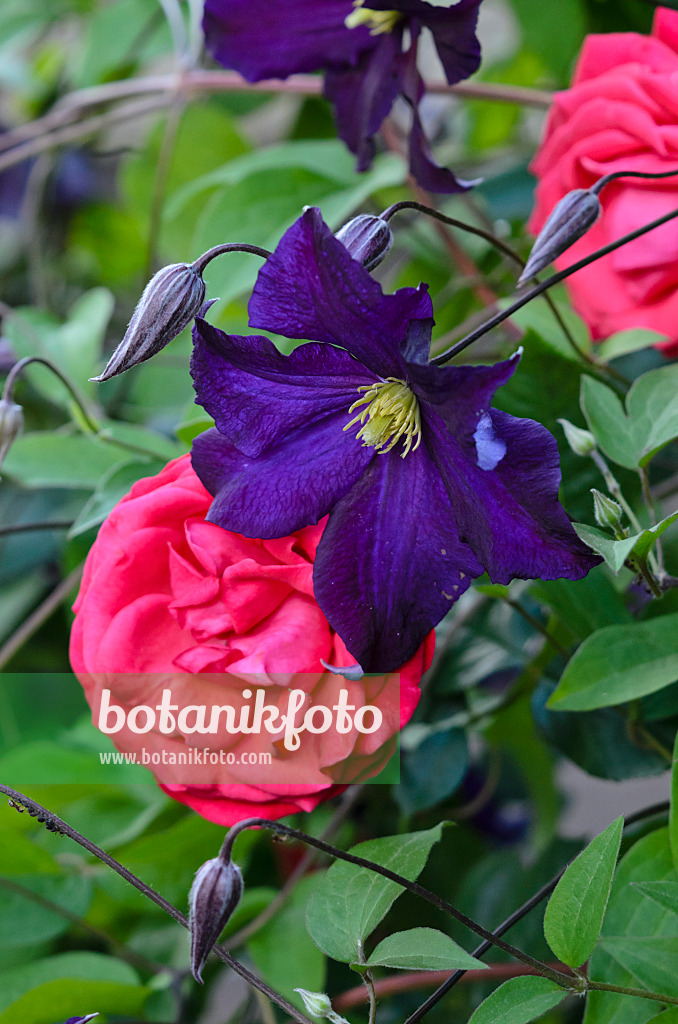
169,302
607,512
569,220
215,893
367,238
11,425
582,442
81,1020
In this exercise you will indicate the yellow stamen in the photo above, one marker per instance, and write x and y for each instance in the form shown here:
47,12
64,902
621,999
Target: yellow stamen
391,412
379,22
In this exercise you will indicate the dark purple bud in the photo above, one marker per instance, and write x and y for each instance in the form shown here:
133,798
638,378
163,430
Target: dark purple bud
81,1020
215,893
367,238
11,425
169,302
570,219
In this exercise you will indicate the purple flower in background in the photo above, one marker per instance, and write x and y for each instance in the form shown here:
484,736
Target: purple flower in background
426,486
368,49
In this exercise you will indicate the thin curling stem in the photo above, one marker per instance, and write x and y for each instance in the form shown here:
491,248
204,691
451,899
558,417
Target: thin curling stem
510,253
607,178
539,289
218,250
19,367
414,887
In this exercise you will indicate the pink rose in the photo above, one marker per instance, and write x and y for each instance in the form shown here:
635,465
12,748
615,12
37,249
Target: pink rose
168,599
620,113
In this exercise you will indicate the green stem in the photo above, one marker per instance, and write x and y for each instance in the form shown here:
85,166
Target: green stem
19,367
649,504
623,990
536,624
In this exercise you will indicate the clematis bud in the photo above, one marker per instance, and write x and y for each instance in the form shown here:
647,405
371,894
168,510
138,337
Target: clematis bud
582,442
11,425
607,512
215,893
81,1020
569,220
317,1004
169,302
367,238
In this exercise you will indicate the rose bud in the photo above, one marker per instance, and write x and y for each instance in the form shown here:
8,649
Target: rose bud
569,220
607,512
169,302
367,238
11,425
582,442
215,893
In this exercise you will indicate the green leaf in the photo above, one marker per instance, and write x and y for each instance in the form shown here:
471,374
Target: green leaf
112,486
575,911
618,664
583,605
519,1001
623,342
49,989
651,960
72,461
631,914
349,902
632,436
665,894
37,922
432,770
615,552
422,949
673,813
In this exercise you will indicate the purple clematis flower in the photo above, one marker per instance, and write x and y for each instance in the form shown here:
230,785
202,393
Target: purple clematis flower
368,49
426,486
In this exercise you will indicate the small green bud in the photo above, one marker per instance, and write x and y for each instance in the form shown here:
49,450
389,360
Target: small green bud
607,512
317,1004
569,220
215,893
367,239
582,442
169,302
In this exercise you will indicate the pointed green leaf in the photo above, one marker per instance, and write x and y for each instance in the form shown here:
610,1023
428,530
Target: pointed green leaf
608,422
619,663
423,949
615,552
349,902
623,342
665,894
519,1001
650,959
574,915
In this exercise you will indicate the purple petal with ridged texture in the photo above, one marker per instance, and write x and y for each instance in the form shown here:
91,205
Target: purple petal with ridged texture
453,28
261,39
289,486
257,396
312,288
390,564
460,394
423,167
509,512
363,96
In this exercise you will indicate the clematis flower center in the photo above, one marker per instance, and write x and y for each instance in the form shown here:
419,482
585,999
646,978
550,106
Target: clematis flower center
391,412
378,22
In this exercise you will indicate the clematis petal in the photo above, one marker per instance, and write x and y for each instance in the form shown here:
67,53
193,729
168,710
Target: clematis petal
289,486
509,515
390,563
423,167
363,96
261,39
311,288
257,396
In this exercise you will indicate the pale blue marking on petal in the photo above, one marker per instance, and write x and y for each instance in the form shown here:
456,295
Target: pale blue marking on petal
491,449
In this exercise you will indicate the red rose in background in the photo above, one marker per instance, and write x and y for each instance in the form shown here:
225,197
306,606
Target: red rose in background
164,591
621,113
